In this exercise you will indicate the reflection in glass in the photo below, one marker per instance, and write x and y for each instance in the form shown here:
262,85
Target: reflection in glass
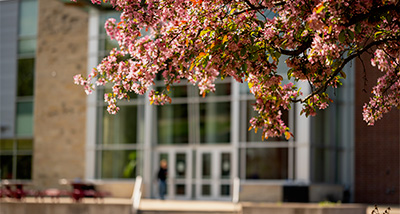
205,190
6,163
25,144
28,18
121,128
24,123
267,163
225,165
215,122
26,69
24,167
173,127
206,165
118,164
27,46
6,145
180,165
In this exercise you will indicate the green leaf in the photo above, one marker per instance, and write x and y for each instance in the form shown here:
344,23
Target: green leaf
351,34
342,36
357,29
244,67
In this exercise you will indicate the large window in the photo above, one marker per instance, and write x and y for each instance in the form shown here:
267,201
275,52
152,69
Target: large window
119,136
267,163
119,139
332,139
173,125
16,158
215,124
268,159
192,119
16,152
27,32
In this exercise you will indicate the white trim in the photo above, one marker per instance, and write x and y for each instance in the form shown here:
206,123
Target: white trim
93,44
147,148
235,128
302,127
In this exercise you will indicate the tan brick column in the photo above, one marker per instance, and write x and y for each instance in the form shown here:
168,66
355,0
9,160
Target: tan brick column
60,106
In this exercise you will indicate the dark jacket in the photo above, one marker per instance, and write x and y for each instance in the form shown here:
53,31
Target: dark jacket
162,174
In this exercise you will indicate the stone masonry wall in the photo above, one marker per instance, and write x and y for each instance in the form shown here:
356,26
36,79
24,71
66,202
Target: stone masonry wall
60,106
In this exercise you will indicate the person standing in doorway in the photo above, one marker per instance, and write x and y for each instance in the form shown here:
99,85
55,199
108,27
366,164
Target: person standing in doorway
162,178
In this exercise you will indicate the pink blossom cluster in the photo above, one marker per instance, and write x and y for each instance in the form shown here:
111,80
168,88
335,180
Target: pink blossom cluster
202,40
386,94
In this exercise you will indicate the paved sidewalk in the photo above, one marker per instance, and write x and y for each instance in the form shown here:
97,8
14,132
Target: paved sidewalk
167,206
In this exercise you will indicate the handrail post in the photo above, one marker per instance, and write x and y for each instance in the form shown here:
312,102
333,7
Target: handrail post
236,190
137,194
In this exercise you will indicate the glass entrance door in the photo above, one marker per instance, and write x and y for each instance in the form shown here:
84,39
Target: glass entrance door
178,174
213,174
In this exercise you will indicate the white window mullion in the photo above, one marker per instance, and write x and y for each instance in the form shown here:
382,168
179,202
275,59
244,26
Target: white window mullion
91,110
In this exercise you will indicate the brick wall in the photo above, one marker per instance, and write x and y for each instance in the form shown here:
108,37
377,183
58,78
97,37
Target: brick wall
377,148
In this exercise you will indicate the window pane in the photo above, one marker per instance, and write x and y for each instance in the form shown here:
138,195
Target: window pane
27,46
225,165
26,69
221,89
244,88
6,145
118,164
120,128
175,91
180,189
6,166
225,190
173,127
267,163
103,18
26,144
109,44
28,18
24,118
206,166
205,190
24,166
215,122
180,165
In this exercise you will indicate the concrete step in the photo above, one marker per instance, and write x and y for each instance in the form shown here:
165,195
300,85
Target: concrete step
187,207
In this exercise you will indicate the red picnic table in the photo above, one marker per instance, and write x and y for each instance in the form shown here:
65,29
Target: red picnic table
14,189
83,188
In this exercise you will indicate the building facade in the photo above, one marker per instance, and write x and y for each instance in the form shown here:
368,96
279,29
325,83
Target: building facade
51,130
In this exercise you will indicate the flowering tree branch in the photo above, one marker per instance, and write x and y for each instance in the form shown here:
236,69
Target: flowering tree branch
201,40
